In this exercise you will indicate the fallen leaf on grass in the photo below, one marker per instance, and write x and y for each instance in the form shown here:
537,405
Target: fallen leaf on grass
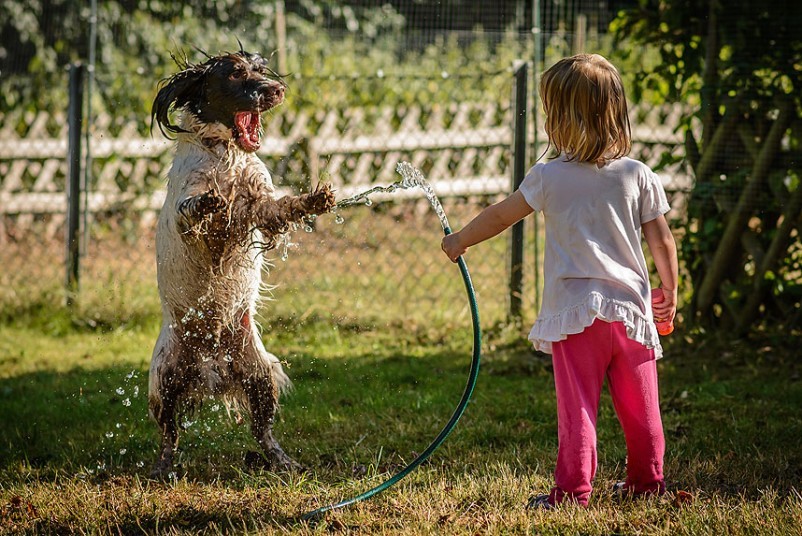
682,499
17,507
335,525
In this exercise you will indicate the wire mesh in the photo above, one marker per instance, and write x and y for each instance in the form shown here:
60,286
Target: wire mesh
395,243
451,117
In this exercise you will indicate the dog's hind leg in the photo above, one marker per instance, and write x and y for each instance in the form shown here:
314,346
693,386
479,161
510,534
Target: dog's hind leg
169,438
263,403
262,387
165,390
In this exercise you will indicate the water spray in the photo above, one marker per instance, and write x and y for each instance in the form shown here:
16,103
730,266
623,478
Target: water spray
412,178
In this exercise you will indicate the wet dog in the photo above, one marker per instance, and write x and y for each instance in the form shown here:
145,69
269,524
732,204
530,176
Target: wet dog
219,215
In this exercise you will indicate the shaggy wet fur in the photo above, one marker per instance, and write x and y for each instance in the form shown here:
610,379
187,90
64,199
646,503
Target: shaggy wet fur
218,217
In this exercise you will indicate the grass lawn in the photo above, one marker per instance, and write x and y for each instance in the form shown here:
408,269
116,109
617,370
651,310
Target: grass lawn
76,444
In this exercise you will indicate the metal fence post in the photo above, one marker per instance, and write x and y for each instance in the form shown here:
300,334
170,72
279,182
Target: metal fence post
518,172
537,62
75,120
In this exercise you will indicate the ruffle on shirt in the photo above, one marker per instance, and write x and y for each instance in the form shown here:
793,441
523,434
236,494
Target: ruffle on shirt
575,319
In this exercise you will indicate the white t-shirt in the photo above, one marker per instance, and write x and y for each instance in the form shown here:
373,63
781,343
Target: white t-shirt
594,263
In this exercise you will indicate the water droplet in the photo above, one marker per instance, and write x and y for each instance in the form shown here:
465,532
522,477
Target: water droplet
308,228
120,391
123,451
411,177
127,402
227,358
136,391
338,219
140,464
109,434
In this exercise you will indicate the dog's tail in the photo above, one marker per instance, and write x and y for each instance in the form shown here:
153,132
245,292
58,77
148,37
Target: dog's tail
279,376
276,370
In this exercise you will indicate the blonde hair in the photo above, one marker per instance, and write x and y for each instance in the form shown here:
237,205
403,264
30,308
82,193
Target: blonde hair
586,109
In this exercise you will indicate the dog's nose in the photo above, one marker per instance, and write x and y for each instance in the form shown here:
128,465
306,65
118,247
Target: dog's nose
273,90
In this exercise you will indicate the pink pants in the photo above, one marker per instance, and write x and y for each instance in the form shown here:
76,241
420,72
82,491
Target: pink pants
581,363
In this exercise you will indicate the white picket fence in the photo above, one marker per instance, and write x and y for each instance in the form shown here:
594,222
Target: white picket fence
465,149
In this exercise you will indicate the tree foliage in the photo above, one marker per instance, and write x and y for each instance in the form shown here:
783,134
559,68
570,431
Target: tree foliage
740,65
136,38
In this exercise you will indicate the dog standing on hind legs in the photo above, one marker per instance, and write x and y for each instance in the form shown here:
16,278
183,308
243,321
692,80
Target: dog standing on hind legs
218,217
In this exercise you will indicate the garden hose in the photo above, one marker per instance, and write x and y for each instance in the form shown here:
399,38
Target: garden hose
441,437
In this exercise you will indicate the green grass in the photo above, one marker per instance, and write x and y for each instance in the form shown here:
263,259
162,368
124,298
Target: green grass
372,323
74,455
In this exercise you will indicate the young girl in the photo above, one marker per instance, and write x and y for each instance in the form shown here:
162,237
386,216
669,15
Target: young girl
597,318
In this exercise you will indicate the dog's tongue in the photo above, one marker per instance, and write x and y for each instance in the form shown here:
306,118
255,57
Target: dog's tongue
247,124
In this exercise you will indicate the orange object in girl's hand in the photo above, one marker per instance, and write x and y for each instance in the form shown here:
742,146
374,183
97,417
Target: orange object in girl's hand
663,328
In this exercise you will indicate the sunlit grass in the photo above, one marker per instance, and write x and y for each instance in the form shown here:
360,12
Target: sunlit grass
381,265
371,321
74,456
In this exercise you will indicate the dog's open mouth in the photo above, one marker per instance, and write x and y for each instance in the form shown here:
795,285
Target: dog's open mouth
247,129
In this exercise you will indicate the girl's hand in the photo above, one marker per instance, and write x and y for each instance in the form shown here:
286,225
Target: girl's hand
487,224
664,252
452,246
666,309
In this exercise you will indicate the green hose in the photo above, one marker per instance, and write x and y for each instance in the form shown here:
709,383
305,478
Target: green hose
466,396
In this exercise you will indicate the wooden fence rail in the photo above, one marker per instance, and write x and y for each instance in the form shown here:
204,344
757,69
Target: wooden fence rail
466,151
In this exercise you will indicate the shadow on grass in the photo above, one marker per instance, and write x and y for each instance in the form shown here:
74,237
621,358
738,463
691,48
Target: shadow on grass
342,415
731,418
71,421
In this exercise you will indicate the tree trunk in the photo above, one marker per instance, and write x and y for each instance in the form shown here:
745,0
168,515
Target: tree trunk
710,76
725,253
779,245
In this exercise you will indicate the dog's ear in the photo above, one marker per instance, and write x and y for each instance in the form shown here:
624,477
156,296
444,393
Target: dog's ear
177,91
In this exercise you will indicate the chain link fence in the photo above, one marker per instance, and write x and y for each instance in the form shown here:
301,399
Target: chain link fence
381,264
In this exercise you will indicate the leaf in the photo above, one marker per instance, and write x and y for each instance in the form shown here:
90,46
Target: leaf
682,499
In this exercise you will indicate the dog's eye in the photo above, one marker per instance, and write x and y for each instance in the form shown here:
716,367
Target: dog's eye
237,74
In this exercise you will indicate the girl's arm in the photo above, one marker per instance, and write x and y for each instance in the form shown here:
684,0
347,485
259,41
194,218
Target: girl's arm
487,224
664,252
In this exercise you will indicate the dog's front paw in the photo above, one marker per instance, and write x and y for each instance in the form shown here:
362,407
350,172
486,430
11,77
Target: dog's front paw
210,202
320,200
194,209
